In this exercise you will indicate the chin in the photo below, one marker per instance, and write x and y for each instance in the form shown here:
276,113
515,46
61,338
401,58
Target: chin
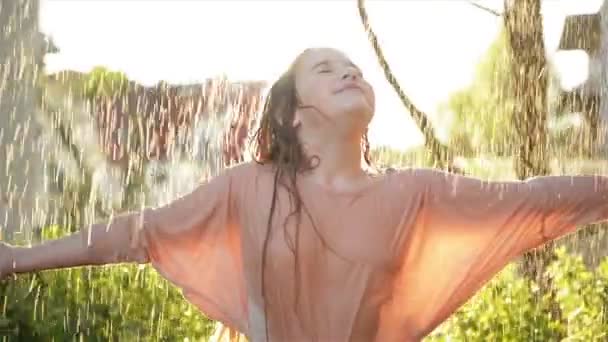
361,111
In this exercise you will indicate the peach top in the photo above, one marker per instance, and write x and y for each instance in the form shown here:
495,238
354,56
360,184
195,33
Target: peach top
389,262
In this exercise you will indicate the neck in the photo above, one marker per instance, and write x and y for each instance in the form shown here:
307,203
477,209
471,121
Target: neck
339,159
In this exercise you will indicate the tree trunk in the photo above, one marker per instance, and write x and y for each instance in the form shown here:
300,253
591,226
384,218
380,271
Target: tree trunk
523,22
22,49
524,26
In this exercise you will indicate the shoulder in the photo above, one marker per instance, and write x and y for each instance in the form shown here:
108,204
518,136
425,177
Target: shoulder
241,177
415,177
233,172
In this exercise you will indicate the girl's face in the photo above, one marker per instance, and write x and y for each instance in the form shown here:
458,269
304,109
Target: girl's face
330,82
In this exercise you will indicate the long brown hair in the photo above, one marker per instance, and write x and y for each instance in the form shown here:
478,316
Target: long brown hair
276,143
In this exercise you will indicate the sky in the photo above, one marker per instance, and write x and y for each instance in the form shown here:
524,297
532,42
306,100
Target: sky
431,45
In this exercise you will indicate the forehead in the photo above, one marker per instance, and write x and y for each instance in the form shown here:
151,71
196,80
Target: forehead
314,57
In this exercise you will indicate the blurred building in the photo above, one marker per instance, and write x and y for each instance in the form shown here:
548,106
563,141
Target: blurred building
162,124
589,33
175,134
159,122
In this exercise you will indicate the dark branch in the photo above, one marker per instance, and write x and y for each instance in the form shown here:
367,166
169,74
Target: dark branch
483,8
441,153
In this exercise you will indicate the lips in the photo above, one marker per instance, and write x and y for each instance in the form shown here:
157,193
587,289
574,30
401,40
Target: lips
349,86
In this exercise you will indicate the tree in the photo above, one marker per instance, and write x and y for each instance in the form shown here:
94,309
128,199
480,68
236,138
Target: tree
21,57
482,111
529,72
526,47
106,83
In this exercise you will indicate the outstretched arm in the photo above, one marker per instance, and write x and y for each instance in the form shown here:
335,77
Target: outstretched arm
124,238
466,230
542,208
102,243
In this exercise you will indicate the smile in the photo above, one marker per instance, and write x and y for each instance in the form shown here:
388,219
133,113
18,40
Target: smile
349,87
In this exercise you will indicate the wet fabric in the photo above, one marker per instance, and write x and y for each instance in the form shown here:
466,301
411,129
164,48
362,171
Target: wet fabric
386,262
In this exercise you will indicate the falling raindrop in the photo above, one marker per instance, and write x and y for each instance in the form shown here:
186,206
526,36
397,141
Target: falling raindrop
79,147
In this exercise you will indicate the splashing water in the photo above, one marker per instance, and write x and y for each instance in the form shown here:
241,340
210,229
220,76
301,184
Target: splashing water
79,147
76,148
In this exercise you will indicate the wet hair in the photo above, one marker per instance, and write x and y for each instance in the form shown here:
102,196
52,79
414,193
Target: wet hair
276,143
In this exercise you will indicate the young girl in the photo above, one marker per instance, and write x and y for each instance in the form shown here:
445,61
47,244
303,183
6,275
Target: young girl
307,244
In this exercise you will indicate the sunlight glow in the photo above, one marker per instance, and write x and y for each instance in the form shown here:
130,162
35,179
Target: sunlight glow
433,46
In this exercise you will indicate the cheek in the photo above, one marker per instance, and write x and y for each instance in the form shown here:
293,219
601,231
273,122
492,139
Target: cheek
305,92
316,95
371,97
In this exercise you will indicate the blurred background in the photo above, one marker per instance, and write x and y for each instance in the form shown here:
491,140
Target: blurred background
108,106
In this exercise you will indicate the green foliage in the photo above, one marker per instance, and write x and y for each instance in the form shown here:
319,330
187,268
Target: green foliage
113,303
133,303
99,82
102,82
505,309
388,157
482,111
582,296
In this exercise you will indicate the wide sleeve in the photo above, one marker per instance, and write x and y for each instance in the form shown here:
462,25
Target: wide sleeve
465,230
194,242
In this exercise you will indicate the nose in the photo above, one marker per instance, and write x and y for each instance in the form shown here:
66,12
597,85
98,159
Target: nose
350,73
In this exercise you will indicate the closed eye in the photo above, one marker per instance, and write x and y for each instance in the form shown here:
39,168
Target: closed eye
322,67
